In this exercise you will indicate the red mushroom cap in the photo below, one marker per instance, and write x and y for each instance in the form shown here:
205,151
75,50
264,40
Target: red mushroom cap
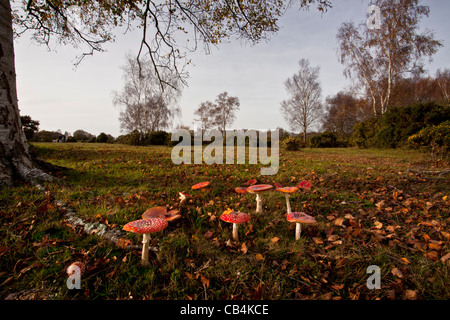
200,185
235,217
241,190
260,188
251,182
278,185
300,217
304,185
146,225
287,189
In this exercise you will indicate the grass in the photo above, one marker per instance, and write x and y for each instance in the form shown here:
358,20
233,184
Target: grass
368,213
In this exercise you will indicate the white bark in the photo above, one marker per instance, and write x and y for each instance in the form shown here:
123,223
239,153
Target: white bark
15,160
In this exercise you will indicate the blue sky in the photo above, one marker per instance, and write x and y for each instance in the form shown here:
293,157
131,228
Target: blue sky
61,97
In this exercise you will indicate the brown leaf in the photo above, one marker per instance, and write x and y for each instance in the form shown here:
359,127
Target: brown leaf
275,239
396,272
244,248
445,258
208,234
205,281
432,255
259,257
339,221
411,294
123,243
318,241
332,237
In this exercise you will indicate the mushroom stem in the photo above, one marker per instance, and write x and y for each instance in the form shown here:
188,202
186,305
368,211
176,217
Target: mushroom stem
145,246
258,203
298,230
235,232
288,204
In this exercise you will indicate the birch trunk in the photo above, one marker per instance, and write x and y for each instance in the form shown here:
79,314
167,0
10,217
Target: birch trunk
15,158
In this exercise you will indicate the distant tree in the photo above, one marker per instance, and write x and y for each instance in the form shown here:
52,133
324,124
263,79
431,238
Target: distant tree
377,59
102,138
343,111
225,110
443,80
145,107
304,107
29,126
46,136
81,135
205,115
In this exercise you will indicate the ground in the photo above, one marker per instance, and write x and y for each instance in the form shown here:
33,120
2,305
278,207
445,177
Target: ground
371,211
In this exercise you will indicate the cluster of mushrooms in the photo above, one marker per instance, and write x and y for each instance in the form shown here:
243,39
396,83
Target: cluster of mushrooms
157,218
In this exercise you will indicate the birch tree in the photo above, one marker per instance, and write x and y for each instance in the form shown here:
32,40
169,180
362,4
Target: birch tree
304,107
377,58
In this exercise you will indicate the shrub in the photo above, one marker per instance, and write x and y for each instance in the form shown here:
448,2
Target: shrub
434,138
159,138
324,140
102,138
293,144
392,129
71,139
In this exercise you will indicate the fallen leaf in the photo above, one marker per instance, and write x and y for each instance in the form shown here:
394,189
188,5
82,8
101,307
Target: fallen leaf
318,241
339,221
208,234
432,255
275,239
205,281
378,225
445,258
405,261
259,257
396,272
338,286
332,237
244,248
411,294
380,204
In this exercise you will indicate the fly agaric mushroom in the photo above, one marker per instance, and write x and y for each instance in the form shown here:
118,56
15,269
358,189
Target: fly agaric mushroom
299,218
145,227
251,182
241,190
304,185
161,212
278,185
235,218
200,185
258,190
287,193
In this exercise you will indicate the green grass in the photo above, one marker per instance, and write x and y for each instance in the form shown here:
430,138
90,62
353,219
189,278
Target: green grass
115,184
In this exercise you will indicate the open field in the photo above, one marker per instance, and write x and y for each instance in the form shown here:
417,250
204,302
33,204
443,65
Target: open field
368,213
